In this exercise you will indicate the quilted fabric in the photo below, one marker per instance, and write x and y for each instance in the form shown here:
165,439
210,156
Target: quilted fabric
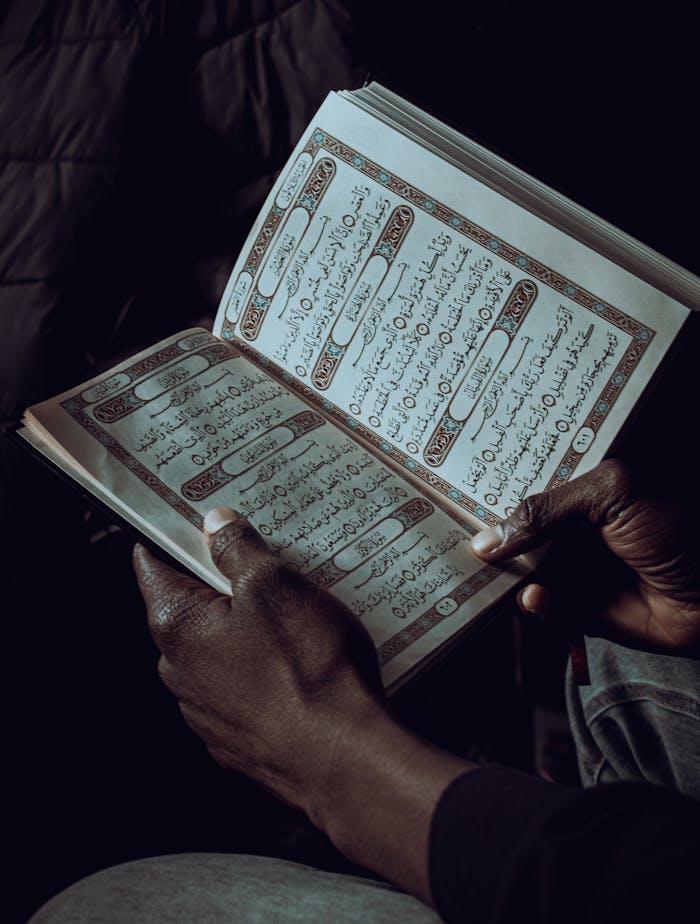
137,141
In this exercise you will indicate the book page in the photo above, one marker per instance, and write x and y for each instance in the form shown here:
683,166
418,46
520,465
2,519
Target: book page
479,348
192,424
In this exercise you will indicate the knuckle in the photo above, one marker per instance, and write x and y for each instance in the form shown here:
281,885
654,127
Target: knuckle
262,575
611,489
531,513
166,675
615,476
218,755
228,538
190,715
174,617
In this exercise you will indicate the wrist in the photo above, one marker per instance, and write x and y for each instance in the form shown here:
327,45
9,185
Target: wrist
380,792
347,743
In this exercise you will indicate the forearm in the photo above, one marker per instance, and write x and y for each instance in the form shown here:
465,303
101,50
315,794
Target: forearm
380,797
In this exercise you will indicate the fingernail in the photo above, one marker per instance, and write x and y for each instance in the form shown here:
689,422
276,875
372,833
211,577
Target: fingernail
535,600
488,540
219,517
528,600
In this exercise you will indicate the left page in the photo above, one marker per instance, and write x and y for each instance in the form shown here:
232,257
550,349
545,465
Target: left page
192,424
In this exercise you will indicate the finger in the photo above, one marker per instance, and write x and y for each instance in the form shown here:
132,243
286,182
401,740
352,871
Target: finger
176,604
593,499
234,544
534,600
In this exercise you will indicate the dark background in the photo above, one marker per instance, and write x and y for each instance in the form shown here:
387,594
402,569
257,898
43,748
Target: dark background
595,99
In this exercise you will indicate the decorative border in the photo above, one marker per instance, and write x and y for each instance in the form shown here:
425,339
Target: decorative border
432,617
126,402
311,194
76,408
387,246
322,141
325,575
509,319
214,352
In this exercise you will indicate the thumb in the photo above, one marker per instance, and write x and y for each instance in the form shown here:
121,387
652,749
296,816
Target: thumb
233,542
594,499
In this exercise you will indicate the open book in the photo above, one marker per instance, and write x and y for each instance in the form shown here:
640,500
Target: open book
414,337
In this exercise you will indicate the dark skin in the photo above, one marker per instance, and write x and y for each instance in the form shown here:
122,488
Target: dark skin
280,681
625,566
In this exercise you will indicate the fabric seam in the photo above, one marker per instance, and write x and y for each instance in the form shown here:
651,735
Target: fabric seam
669,700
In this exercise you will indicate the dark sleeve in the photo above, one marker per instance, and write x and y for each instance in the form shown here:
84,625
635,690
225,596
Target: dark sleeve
509,847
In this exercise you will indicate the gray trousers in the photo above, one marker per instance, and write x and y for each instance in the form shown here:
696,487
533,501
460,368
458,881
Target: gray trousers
638,720
201,888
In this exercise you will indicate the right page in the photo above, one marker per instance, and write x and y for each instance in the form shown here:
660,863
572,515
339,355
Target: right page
469,341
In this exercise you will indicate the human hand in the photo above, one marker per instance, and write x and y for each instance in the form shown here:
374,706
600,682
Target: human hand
281,682
625,567
271,678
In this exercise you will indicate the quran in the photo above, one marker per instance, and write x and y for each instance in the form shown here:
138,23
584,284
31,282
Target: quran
415,336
